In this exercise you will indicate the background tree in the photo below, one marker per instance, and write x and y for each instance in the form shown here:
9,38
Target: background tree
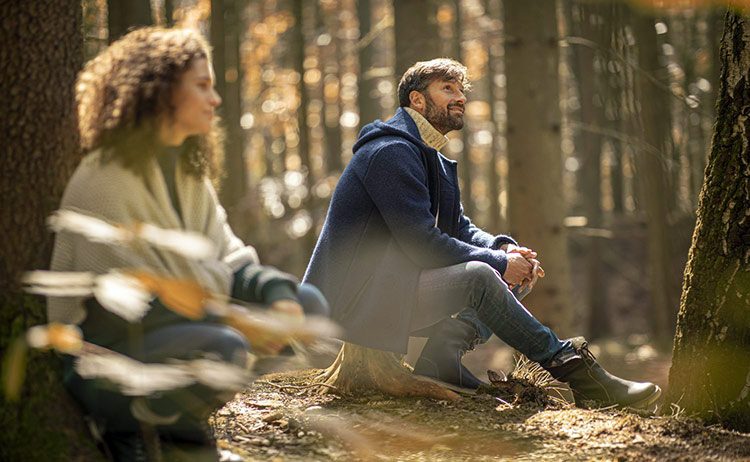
122,15
41,55
588,24
536,200
367,95
226,36
710,372
655,166
416,32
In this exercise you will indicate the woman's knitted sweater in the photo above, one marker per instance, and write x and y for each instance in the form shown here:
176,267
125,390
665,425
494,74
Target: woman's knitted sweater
109,191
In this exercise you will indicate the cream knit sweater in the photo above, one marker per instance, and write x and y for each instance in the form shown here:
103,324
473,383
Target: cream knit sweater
109,191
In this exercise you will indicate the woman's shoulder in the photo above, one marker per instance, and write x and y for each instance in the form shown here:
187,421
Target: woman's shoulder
98,180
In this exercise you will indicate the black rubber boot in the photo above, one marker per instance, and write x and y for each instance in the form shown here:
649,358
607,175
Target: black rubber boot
592,386
440,360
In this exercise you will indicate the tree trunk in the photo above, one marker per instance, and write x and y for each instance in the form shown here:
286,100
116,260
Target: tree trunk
367,93
615,105
466,170
298,60
41,54
169,13
536,202
652,164
589,67
226,32
416,32
123,15
494,95
331,65
359,369
710,371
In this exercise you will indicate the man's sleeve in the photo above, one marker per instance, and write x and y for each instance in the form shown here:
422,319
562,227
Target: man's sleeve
396,180
471,234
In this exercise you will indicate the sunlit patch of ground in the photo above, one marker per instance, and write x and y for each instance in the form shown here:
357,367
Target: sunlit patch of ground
279,419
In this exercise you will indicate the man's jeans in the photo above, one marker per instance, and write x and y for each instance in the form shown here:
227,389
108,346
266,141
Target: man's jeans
489,305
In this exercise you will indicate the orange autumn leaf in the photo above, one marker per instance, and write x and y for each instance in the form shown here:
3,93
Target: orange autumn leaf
183,296
64,337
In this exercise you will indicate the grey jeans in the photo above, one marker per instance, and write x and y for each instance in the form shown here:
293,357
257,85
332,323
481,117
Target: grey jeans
477,295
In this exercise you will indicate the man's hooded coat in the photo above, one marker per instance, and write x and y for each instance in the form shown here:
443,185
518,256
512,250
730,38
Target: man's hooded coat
396,211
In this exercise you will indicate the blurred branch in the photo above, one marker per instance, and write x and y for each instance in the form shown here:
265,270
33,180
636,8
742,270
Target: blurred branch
572,40
638,143
378,29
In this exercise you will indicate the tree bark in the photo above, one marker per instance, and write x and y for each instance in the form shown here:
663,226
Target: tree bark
653,163
466,170
331,58
226,32
42,52
298,61
169,13
710,372
416,32
589,67
359,370
367,93
122,15
494,95
536,202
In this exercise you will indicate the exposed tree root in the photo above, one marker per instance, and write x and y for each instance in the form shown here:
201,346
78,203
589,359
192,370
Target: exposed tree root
360,369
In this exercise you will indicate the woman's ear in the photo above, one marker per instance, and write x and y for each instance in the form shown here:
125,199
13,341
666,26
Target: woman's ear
417,100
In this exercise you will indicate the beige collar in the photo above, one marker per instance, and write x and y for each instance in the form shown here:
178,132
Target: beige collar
429,134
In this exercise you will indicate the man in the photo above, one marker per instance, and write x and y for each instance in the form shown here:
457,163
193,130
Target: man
397,256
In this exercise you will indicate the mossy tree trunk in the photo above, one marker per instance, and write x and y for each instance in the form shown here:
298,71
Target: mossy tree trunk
42,52
710,372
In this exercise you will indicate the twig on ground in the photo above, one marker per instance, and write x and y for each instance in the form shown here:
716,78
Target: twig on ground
297,387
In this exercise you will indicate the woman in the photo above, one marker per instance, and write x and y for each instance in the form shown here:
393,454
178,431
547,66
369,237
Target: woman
146,109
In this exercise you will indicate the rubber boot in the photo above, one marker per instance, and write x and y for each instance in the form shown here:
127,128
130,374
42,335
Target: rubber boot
440,360
592,386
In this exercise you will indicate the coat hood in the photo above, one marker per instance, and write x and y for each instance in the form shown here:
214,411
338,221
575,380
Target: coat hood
401,124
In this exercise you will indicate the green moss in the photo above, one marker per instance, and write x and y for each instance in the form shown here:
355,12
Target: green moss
44,424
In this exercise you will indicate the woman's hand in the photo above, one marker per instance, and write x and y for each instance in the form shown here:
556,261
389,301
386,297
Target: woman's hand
289,308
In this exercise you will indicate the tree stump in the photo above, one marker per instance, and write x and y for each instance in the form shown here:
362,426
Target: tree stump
360,369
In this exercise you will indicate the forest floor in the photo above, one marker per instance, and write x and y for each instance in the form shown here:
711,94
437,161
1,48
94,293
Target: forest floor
281,419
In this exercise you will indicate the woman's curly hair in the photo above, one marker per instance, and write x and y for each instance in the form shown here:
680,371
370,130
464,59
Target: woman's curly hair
125,91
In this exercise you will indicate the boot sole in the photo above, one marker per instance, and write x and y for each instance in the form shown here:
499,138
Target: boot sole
450,386
648,402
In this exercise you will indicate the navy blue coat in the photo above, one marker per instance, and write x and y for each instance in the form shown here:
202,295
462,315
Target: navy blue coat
396,210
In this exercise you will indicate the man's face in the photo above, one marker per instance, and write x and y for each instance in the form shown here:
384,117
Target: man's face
444,105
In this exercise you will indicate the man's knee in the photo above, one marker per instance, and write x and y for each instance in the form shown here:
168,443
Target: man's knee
484,275
483,279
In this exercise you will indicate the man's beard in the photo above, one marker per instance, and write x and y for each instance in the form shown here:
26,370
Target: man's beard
441,118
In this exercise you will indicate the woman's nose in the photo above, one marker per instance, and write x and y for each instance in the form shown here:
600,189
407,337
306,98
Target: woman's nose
215,98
